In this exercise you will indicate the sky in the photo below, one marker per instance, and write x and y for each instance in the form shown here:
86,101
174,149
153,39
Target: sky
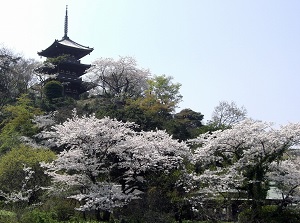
246,51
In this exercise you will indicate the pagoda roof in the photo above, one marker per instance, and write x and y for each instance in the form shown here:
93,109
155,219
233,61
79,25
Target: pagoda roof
66,46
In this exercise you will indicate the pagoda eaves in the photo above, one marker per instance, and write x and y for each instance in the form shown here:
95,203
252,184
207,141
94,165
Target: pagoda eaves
66,46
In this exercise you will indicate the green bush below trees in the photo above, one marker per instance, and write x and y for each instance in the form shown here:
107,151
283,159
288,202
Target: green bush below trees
270,214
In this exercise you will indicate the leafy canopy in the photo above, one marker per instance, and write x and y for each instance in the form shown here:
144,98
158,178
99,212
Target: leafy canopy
18,123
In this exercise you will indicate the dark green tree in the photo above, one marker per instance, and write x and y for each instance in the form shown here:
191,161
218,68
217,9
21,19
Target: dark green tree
53,89
186,124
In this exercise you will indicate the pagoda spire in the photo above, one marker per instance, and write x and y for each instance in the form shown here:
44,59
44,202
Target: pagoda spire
66,23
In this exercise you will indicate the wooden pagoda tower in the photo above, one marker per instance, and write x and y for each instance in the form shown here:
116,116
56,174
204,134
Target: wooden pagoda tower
65,54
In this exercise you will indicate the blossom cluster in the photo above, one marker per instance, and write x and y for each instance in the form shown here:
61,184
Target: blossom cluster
94,148
105,161
246,154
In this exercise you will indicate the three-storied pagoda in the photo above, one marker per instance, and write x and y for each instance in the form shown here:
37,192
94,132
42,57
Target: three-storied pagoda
65,54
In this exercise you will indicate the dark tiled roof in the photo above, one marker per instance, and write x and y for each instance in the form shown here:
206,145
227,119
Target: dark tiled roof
66,46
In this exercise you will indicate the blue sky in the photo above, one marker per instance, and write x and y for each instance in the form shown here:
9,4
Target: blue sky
246,51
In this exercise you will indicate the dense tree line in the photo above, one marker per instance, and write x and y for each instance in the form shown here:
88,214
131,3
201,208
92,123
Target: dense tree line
124,153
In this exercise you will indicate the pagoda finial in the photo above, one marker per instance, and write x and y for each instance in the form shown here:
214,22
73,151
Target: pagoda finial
66,23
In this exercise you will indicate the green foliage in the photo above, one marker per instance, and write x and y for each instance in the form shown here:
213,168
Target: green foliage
12,164
162,201
186,124
62,207
190,221
18,122
53,89
20,116
152,110
111,110
63,106
82,221
8,216
149,116
139,213
164,91
37,216
157,217
58,60
270,214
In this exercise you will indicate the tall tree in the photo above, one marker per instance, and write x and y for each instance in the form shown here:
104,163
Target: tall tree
15,75
186,124
227,114
164,91
106,162
118,79
155,108
240,158
41,74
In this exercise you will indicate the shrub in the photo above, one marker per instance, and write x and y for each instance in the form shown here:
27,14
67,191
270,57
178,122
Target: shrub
8,216
12,175
53,89
37,216
270,214
63,208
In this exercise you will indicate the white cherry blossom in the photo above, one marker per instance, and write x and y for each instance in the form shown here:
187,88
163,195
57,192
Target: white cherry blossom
106,160
240,158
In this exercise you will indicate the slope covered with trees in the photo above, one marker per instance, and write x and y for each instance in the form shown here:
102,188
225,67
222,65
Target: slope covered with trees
125,154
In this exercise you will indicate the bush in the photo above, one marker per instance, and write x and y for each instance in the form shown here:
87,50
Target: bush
8,216
81,221
53,89
12,175
37,216
63,208
270,214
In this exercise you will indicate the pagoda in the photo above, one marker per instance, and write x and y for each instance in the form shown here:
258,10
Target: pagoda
65,55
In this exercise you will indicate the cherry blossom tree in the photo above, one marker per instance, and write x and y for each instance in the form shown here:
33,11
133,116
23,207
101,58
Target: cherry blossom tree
105,161
286,175
243,157
118,78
